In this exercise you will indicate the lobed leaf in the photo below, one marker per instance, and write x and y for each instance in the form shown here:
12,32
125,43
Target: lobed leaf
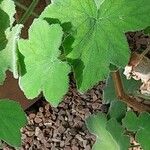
44,71
99,32
105,131
141,126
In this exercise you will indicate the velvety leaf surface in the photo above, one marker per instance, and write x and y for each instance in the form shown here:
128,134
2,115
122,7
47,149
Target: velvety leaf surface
9,56
106,139
12,119
44,71
141,126
99,31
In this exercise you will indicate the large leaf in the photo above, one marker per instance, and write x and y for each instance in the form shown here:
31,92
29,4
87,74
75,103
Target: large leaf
99,31
9,56
141,126
106,133
45,72
12,119
7,11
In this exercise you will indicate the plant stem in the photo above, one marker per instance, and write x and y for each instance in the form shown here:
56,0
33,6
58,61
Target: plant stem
142,55
28,12
130,101
132,146
25,8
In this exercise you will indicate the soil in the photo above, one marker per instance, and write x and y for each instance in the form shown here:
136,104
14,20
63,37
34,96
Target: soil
63,128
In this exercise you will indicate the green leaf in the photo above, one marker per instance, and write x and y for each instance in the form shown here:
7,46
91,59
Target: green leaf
131,87
12,119
141,126
117,110
117,132
143,134
98,125
44,71
99,31
130,121
9,56
7,11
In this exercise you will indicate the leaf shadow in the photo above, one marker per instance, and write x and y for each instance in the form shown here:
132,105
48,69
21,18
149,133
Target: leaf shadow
68,39
78,67
21,64
66,47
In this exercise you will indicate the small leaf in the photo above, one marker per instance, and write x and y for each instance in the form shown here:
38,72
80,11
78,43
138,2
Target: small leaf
117,132
141,126
9,56
12,119
143,134
117,110
44,71
106,139
143,137
130,121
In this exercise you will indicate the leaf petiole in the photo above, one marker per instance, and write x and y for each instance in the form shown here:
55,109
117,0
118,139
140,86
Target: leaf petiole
130,101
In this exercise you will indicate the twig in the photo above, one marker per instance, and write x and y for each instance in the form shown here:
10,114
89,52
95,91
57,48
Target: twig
144,52
28,12
25,8
132,146
130,101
